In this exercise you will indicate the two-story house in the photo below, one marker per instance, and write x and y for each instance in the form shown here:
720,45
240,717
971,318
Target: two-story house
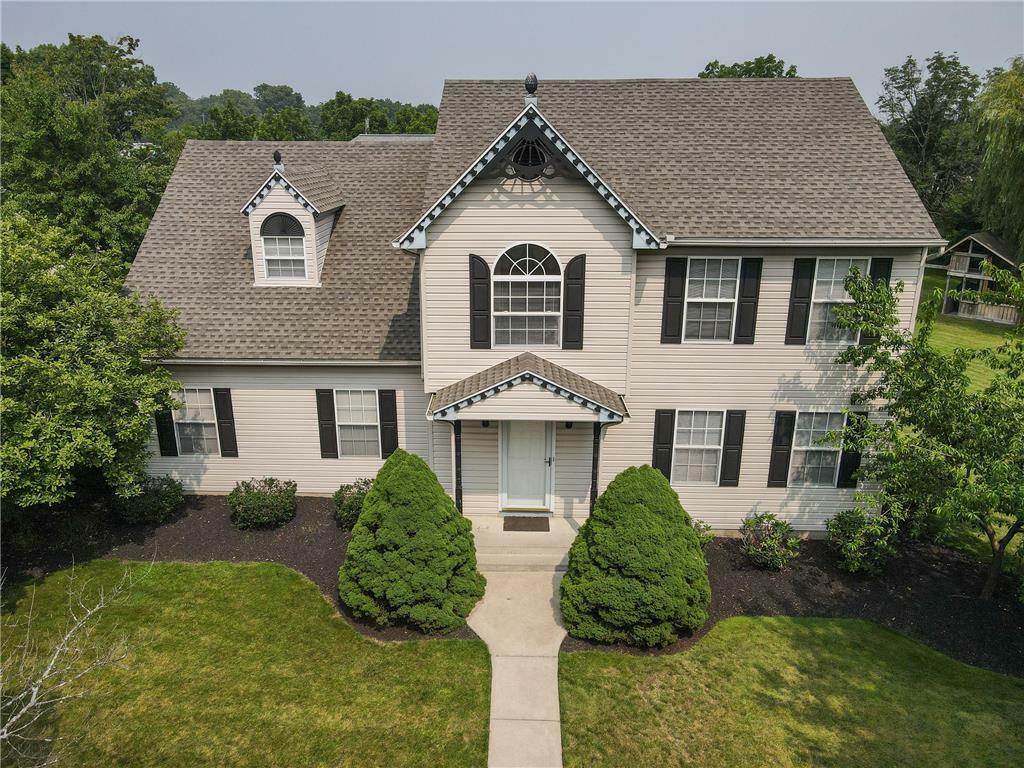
557,285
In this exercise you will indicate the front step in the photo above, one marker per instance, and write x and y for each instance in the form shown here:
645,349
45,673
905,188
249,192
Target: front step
520,551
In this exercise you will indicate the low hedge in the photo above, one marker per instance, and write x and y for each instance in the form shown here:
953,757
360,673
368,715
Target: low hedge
348,502
636,571
262,503
159,500
411,558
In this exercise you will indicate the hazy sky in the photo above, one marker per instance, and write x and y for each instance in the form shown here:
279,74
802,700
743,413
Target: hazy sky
405,50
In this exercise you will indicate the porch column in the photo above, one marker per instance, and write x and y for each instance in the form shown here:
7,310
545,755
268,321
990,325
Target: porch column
594,461
457,429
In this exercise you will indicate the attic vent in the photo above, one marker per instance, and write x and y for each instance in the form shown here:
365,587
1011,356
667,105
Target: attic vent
529,161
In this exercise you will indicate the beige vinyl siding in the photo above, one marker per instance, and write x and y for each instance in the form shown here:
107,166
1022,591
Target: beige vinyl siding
527,402
759,379
276,425
324,226
481,455
567,217
280,201
441,454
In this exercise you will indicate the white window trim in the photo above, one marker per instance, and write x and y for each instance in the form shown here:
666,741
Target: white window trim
305,259
523,279
820,448
735,300
721,446
816,300
216,427
338,424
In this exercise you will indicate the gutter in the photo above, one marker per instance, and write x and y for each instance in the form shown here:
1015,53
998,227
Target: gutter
805,241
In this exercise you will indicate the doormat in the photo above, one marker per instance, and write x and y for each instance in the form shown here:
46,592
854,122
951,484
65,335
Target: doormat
526,524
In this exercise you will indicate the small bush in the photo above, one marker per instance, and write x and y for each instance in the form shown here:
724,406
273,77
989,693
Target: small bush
411,558
704,534
265,503
348,502
864,542
160,499
636,571
769,542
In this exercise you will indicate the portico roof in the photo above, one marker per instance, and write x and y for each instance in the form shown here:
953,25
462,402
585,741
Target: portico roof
602,403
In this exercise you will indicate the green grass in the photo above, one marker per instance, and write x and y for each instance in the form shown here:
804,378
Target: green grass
789,692
952,332
247,665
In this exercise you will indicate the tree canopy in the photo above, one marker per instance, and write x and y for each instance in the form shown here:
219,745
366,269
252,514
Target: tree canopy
762,66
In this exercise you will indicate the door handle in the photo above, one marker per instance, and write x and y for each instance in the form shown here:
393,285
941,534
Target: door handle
548,460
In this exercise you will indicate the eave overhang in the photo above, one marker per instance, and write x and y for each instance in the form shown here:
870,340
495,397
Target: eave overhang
416,238
274,180
449,411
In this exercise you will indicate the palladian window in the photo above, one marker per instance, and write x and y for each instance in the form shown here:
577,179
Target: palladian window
284,254
527,297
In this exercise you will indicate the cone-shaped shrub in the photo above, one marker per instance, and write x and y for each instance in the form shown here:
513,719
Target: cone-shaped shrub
636,570
411,557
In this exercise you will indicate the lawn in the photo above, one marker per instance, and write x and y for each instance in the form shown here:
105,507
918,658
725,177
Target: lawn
247,664
789,692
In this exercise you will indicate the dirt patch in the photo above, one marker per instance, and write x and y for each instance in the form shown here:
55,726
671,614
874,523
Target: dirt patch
312,544
929,594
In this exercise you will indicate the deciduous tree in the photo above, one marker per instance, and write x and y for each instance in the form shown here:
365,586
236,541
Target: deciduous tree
762,66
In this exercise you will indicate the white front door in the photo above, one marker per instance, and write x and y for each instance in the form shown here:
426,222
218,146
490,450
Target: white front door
527,459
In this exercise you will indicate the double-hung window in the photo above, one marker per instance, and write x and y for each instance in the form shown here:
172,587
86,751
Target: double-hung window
358,422
527,297
815,461
697,452
195,423
829,292
284,251
711,286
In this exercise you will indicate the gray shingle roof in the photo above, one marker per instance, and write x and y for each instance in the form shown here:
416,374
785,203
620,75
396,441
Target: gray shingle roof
793,158
316,185
196,258
523,363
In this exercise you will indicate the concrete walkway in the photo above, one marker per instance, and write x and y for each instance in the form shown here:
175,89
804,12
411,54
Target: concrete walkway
519,620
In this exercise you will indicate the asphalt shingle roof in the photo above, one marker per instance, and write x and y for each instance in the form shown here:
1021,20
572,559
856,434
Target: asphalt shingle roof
793,158
196,255
523,363
317,186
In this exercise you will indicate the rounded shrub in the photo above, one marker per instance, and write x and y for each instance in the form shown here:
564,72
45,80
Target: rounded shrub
262,503
348,502
411,558
769,542
864,541
159,500
636,571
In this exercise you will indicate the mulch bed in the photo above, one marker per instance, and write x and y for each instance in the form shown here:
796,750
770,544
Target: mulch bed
312,544
929,594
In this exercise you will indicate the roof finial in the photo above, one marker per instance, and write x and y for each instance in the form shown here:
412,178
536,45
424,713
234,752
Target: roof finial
278,163
531,89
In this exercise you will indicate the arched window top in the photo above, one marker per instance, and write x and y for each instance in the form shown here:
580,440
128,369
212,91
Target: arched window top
281,225
527,259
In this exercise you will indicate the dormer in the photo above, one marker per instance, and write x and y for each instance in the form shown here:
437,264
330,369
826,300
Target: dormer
290,222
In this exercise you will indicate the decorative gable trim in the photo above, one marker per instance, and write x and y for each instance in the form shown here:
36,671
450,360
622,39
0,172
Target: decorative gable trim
449,410
274,180
643,236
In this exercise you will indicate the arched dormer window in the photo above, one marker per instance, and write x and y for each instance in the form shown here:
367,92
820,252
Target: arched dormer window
284,252
527,297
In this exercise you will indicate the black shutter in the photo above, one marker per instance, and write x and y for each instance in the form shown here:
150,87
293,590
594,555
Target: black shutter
881,271
225,422
572,303
328,425
165,433
673,301
800,301
387,409
782,447
479,303
849,461
664,431
746,312
732,447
